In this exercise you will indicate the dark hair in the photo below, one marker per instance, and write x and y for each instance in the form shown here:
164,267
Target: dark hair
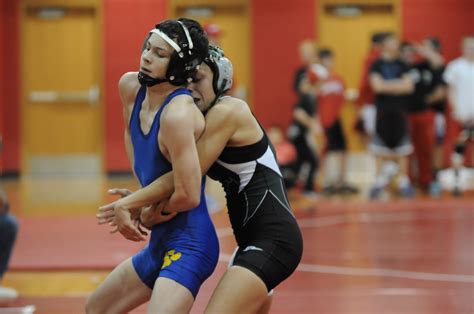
325,53
434,42
378,37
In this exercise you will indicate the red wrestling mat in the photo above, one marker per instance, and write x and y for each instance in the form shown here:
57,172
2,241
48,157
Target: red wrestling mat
73,243
59,243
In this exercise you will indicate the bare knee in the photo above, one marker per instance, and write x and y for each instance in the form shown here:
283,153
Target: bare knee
94,306
89,307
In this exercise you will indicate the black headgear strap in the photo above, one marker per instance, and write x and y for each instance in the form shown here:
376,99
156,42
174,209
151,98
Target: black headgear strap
149,81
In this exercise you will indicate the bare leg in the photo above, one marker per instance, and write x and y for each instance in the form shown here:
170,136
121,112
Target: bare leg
239,291
265,308
341,162
405,188
403,162
120,292
170,297
382,177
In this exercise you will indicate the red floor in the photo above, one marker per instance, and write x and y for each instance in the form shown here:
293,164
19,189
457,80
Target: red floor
400,257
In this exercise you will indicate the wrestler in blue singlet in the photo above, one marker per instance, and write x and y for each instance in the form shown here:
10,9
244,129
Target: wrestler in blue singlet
184,249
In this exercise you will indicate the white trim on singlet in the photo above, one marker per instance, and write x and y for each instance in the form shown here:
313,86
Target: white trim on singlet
244,170
279,201
288,207
268,159
247,218
283,190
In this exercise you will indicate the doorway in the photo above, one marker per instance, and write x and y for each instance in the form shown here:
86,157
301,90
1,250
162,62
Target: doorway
61,77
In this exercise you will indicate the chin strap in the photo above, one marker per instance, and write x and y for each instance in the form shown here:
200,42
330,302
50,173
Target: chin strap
148,81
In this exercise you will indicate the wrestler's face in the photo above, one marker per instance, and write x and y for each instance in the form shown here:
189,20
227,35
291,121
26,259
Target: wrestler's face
201,87
155,57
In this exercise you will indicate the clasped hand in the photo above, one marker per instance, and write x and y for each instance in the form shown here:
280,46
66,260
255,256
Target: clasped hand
129,221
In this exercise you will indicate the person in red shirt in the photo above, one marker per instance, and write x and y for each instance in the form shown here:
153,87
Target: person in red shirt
331,99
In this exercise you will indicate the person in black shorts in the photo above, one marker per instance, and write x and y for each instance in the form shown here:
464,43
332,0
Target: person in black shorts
331,99
391,83
304,125
235,150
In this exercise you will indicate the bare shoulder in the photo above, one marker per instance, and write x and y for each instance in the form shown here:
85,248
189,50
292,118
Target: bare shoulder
128,87
182,109
230,108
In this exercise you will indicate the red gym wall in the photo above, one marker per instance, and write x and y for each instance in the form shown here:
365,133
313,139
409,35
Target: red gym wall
274,57
2,71
9,85
277,29
125,25
450,20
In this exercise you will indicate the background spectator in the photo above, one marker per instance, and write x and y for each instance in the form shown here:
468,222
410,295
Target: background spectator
391,82
331,99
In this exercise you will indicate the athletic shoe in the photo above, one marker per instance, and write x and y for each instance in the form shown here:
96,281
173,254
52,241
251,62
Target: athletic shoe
8,293
407,191
346,188
435,189
375,193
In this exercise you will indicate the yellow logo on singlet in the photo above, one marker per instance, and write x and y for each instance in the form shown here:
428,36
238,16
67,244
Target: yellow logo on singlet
170,257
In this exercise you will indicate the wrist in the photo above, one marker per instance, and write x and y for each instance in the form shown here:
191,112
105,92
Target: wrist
120,205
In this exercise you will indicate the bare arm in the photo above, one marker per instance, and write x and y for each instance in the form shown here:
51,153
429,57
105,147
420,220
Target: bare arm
433,57
451,94
305,119
307,87
126,221
400,86
180,123
127,90
220,126
302,117
438,94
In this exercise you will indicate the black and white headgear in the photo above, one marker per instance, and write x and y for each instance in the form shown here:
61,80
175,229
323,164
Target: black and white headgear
184,62
221,68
